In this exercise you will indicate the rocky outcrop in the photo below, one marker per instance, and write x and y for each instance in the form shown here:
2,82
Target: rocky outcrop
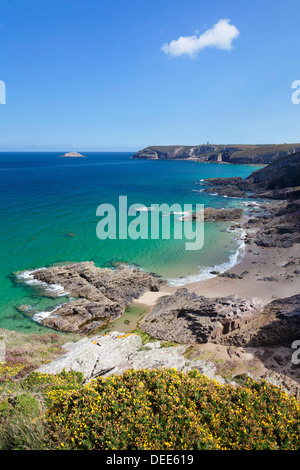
229,191
278,325
101,295
282,173
116,352
240,154
188,318
218,181
278,228
230,187
211,213
278,180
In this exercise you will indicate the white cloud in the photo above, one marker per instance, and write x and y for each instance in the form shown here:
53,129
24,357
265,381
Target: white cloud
221,36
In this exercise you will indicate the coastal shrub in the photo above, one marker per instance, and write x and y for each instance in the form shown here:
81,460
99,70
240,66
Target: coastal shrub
22,405
44,383
146,409
167,409
18,429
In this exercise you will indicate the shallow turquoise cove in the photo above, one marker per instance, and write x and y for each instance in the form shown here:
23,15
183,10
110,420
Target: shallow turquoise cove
48,215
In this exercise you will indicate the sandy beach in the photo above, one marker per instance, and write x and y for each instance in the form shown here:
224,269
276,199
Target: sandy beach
269,275
261,264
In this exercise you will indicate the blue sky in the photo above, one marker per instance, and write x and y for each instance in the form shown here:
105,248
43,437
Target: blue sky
99,75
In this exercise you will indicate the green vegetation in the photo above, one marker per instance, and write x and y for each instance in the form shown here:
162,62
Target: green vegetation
145,337
146,409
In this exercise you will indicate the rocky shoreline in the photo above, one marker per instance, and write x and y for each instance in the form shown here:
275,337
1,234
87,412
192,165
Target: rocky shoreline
245,320
231,322
98,295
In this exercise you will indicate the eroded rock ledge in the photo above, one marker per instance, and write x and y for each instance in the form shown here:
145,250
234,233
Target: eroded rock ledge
185,317
101,295
116,352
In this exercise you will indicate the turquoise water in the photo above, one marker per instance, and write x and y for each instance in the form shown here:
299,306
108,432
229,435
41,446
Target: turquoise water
48,215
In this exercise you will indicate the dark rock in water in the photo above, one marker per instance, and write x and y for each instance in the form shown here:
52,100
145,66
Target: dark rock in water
286,244
223,181
187,318
24,308
101,294
211,213
229,191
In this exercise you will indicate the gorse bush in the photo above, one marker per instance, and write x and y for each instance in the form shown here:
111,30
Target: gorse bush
146,409
23,404
45,383
167,409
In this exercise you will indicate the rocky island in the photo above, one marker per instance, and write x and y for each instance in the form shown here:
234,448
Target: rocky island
72,155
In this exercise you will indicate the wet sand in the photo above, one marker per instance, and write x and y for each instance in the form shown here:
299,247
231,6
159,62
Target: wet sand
260,263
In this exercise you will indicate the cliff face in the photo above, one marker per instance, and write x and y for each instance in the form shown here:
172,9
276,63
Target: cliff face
282,173
239,154
277,180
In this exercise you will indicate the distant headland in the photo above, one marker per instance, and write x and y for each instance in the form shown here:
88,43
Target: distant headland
72,154
239,154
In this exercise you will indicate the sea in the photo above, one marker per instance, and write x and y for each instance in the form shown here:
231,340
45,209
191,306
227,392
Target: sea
49,216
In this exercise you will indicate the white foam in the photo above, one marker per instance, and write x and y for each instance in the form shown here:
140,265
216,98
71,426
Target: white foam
144,209
182,213
39,316
28,278
249,203
205,273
